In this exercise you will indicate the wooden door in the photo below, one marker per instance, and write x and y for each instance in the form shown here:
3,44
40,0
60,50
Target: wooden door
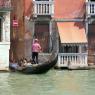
42,33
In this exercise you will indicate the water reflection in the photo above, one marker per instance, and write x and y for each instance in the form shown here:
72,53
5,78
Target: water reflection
78,82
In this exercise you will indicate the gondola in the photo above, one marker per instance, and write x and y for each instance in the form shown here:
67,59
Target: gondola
45,65
41,67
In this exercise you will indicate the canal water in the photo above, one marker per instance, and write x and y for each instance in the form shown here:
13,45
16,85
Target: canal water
55,82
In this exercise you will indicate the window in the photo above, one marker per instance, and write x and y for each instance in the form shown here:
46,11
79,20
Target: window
0,28
69,49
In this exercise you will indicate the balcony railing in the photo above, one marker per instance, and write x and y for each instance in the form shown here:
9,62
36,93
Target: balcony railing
74,59
91,8
43,8
5,4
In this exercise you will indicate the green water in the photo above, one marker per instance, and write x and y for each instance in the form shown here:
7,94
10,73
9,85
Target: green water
55,82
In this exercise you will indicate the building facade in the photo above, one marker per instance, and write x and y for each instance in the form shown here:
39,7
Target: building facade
50,16
72,20
5,8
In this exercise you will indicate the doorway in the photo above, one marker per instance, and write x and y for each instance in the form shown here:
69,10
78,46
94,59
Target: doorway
42,33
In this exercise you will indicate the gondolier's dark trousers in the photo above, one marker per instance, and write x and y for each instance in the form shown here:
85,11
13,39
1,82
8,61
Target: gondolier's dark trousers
35,57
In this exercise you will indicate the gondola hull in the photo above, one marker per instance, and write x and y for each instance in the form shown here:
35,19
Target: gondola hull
40,68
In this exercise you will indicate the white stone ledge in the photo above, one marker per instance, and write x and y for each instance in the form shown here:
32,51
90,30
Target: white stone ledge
4,69
4,43
4,46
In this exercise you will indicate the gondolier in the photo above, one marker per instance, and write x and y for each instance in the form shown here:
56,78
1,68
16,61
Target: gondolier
36,48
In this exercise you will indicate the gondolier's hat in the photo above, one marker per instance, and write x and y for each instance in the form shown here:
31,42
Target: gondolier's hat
35,40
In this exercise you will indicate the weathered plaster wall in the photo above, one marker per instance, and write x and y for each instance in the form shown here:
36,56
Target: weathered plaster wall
69,8
17,34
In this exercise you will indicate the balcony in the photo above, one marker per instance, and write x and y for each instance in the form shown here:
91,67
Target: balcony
5,5
91,8
45,8
72,59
